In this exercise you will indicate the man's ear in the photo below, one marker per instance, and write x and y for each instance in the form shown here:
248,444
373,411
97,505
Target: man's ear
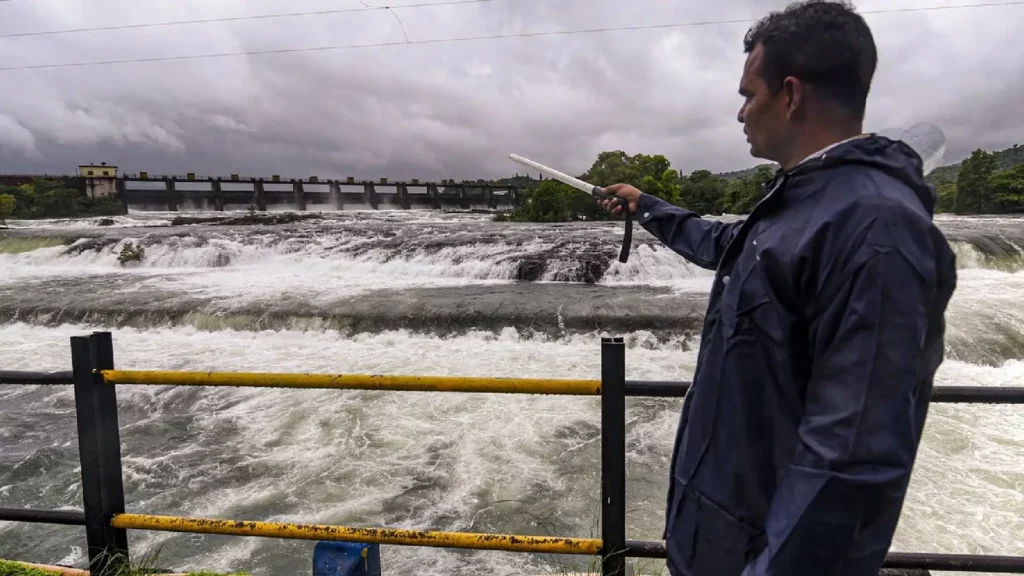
795,93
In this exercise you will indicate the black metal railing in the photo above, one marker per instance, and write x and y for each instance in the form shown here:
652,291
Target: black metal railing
92,373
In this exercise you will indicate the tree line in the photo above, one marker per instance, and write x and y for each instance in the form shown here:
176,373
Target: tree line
985,183
981,186
701,191
52,198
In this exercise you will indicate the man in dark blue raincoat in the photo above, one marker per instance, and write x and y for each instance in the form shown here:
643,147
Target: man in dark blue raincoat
824,326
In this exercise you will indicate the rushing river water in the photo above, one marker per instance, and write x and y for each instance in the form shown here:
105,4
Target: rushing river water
426,293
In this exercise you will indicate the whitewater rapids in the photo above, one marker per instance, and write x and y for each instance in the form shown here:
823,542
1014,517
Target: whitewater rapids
429,294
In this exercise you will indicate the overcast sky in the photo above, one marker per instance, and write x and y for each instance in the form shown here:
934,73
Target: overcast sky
454,110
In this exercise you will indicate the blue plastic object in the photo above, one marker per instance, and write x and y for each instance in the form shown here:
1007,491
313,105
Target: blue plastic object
346,559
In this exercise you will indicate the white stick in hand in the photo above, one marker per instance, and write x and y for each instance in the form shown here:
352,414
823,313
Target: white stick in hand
565,178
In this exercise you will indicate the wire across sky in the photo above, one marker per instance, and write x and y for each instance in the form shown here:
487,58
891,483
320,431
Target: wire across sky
407,41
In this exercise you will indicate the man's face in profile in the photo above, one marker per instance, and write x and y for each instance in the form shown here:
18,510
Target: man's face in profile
763,113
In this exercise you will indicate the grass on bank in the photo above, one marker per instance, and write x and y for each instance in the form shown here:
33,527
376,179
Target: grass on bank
146,567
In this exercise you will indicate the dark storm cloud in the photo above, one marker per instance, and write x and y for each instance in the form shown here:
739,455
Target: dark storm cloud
452,110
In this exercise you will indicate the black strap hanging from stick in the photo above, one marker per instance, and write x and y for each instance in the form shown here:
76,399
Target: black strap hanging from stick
627,235
595,191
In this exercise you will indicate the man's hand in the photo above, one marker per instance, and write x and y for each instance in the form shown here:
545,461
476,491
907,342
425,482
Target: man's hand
631,194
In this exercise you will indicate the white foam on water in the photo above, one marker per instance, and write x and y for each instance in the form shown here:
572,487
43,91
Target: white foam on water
133,219
343,457
320,272
75,555
656,265
147,217
441,461
457,461
265,265
985,317
967,491
969,256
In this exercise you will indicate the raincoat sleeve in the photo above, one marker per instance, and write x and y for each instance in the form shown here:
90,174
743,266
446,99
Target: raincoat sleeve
698,240
858,437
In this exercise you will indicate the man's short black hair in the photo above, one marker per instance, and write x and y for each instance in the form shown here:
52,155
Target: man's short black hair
823,43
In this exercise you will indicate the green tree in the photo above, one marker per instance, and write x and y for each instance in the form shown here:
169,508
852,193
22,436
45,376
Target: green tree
974,183
584,206
946,197
703,192
52,198
743,193
7,206
652,174
551,201
1008,189
44,198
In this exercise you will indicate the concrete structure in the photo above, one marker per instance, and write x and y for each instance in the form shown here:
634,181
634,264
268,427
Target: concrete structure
97,170
236,193
143,191
100,180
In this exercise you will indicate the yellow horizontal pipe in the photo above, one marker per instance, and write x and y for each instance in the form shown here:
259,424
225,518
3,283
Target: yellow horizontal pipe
358,382
463,540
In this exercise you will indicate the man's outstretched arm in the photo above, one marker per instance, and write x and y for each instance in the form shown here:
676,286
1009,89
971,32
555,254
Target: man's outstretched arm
698,240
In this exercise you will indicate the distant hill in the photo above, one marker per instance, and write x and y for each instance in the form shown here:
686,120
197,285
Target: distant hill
1004,159
743,173
942,175
518,181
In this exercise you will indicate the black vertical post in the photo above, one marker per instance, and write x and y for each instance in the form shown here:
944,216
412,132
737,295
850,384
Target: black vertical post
613,457
99,447
109,440
85,412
